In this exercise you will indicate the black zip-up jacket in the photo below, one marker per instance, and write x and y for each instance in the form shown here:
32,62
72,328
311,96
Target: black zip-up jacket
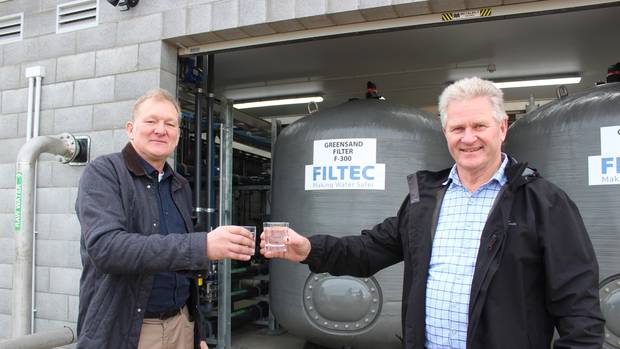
121,249
535,269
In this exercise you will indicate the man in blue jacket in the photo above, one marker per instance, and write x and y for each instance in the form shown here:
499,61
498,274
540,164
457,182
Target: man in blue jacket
138,243
494,255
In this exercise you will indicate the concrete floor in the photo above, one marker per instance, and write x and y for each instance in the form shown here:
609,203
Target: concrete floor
255,337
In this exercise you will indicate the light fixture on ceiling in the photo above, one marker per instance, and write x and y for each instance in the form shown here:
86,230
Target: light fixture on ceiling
279,101
539,81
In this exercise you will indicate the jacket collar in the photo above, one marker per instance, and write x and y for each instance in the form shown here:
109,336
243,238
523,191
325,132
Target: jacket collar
132,160
517,174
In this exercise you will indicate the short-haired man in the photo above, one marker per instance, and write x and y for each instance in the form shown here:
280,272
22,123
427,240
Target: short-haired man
138,245
495,256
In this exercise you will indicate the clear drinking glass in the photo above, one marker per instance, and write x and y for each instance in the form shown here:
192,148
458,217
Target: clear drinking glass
275,233
252,230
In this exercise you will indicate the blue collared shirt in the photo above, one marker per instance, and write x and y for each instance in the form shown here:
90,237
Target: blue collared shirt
170,290
453,260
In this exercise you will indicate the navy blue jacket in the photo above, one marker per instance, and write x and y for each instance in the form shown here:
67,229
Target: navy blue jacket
535,269
121,248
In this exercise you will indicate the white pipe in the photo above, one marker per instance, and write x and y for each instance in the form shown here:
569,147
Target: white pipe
35,133
37,105
29,115
66,146
42,340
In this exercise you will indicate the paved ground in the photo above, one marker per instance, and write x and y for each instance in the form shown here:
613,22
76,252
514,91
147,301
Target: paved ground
254,337
258,337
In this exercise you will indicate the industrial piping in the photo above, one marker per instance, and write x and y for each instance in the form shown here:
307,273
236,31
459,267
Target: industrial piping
42,340
68,148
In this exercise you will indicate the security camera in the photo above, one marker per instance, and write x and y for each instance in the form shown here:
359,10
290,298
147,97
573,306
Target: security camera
127,4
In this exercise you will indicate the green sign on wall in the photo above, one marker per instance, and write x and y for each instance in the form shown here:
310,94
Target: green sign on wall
18,201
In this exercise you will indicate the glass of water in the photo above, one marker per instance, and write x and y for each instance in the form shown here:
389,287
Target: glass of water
252,230
275,233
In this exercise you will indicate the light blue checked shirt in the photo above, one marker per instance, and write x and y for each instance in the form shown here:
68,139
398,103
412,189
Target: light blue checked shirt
453,260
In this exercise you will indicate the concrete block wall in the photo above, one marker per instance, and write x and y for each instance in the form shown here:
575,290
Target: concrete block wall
92,78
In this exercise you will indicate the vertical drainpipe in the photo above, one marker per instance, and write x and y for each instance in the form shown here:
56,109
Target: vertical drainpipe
67,147
35,76
224,287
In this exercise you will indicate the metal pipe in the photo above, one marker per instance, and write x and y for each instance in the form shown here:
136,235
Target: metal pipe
210,140
35,133
224,288
37,105
67,147
200,210
30,107
42,340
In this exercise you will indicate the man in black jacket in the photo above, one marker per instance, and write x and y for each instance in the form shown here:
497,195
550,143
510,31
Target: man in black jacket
138,241
494,255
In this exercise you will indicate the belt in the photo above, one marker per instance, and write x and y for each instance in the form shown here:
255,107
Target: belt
162,315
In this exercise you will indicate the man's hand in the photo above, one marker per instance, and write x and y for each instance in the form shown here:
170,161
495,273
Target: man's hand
203,345
297,247
230,242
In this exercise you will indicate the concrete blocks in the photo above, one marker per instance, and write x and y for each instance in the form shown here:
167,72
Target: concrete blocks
133,85
40,23
56,45
168,81
21,51
5,325
5,307
9,77
64,227
8,129
51,306
199,19
374,3
97,90
75,67
252,12
6,224
112,115
14,101
100,143
50,71
6,276
73,119
42,279
141,29
48,253
280,10
57,95
64,175
310,8
56,200
225,14
175,23
117,60
74,303
10,148
7,250
334,6
150,56
65,280
46,123
100,37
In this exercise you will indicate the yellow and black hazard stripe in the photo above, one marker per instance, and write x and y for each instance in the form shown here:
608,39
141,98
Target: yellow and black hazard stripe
447,16
485,12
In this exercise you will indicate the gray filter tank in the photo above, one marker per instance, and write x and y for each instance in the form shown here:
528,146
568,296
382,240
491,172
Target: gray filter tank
339,171
575,143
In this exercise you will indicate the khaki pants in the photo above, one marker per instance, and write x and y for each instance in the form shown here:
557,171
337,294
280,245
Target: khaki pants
176,332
